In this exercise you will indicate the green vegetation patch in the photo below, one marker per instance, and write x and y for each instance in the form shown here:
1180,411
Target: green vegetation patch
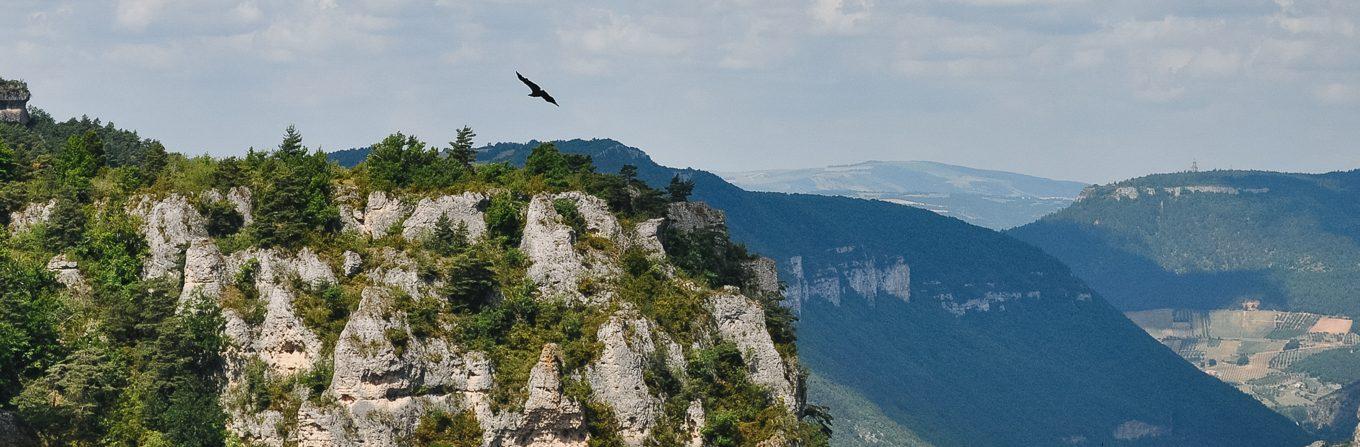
1340,366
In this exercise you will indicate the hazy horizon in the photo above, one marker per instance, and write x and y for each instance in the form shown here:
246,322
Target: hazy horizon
1074,90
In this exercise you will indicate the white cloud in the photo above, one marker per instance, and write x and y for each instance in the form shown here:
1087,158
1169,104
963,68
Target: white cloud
1337,93
137,14
841,16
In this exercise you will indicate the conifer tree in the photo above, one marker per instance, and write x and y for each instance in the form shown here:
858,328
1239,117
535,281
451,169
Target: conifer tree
460,149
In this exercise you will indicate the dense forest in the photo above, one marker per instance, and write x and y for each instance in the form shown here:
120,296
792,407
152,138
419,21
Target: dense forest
126,362
1213,239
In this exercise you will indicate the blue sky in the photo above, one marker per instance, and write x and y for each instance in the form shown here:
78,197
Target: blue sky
1072,89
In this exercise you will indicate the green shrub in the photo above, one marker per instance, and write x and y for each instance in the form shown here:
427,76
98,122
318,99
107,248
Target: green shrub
324,311
470,282
401,161
440,429
571,216
223,219
30,318
505,219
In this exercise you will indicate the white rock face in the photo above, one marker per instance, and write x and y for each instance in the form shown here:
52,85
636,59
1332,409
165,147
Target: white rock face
385,378
383,388
241,199
352,263
556,266
399,271
741,321
368,366
380,214
694,424
32,214
550,419
281,341
616,378
168,225
68,274
465,209
871,279
203,270
647,236
691,216
764,275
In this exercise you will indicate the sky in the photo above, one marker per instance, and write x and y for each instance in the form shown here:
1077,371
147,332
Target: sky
1094,91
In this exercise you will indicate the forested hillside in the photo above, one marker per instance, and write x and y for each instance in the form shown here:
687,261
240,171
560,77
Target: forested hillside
279,299
1207,240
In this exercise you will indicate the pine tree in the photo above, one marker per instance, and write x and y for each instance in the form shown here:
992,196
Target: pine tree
460,149
153,161
629,173
292,143
295,197
448,239
679,190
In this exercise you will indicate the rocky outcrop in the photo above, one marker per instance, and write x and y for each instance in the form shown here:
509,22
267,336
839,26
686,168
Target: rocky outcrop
556,265
550,418
369,366
67,272
382,386
14,96
647,237
764,275
204,270
352,263
281,341
692,216
616,377
381,214
397,270
741,321
32,214
385,376
168,225
465,209
1119,193
694,424
1336,415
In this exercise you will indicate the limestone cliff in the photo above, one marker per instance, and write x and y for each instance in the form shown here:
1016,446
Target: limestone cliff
400,356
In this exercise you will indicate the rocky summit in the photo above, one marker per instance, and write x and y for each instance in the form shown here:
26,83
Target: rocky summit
498,307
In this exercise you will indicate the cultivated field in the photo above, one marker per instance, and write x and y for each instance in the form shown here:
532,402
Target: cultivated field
1254,350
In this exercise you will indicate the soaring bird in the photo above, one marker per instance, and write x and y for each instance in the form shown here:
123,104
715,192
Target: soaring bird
535,91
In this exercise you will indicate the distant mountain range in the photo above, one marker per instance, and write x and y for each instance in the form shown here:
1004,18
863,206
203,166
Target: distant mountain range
993,199
919,329
1206,240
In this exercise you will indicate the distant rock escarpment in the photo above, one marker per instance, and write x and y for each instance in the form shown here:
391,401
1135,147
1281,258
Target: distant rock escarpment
14,97
1210,240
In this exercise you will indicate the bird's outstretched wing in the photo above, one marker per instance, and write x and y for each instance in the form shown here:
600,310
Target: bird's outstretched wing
526,81
549,98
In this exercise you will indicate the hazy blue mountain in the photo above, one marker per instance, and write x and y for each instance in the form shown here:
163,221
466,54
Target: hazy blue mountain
926,330
993,199
1213,239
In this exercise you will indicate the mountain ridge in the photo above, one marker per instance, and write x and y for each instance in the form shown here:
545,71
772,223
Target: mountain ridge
990,198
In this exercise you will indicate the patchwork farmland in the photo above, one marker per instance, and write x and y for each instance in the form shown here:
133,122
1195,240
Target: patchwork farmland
1264,353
